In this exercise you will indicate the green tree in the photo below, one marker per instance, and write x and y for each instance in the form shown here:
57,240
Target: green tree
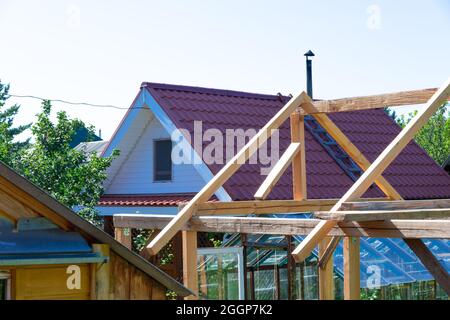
10,147
434,137
69,175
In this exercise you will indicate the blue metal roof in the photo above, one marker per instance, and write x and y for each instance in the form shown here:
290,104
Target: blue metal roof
38,241
38,236
42,242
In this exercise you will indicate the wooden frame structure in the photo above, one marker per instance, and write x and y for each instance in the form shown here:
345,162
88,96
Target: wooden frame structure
349,217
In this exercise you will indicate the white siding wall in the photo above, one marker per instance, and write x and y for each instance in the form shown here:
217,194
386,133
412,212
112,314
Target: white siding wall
136,174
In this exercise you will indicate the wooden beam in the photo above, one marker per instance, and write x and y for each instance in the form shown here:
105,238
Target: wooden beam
357,156
326,273
396,146
299,162
351,269
328,252
438,229
190,276
224,174
354,153
14,208
277,171
396,205
265,207
402,98
432,264
23,198
123,235
376,215
374,171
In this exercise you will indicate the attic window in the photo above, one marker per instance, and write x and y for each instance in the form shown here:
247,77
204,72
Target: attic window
162,160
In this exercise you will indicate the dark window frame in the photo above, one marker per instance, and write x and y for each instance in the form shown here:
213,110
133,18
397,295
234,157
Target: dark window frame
5,276
154,161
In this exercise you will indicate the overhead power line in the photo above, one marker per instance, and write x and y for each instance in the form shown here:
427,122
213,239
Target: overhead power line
72,103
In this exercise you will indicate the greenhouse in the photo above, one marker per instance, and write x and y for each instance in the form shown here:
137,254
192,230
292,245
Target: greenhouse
388,269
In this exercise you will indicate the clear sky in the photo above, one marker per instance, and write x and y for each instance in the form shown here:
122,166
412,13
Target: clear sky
100,51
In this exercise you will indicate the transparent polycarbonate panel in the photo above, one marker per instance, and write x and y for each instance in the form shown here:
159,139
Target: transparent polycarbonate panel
220,274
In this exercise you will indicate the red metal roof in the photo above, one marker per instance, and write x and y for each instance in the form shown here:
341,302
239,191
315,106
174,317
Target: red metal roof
414,174
153,200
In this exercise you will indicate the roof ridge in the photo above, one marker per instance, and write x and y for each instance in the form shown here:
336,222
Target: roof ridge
214,91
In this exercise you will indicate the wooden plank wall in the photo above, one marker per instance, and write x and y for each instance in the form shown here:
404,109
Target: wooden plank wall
129,283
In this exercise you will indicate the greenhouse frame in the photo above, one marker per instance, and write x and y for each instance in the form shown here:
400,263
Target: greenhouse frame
360,247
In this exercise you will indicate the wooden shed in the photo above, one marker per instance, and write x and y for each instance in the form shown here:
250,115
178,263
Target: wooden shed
47,251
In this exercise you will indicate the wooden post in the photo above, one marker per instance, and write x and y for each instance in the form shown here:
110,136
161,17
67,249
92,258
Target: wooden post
190,277
252,284
326,275
351,269
102,274
123,235
299,161
290,266
302,280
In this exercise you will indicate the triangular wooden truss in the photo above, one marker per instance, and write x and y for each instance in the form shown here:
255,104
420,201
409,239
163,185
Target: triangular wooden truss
332,213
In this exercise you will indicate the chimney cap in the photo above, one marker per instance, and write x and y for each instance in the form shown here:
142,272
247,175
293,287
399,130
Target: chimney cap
309,54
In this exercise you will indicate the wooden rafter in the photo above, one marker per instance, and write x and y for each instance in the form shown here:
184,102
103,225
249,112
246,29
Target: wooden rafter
224,174
360,160
328,252
436,229
402,98
326,273
432,264
354,153
374,171
277,171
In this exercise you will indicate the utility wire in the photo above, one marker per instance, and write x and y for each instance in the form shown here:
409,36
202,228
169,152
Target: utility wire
72,103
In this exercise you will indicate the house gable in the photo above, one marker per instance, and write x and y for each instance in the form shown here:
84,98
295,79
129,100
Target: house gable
136,174
132,173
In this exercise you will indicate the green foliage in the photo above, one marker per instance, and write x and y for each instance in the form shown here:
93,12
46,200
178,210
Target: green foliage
434,137
140,238
370,294
69,175
10,148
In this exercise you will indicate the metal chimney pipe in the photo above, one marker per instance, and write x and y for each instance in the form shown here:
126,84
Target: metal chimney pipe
309,85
